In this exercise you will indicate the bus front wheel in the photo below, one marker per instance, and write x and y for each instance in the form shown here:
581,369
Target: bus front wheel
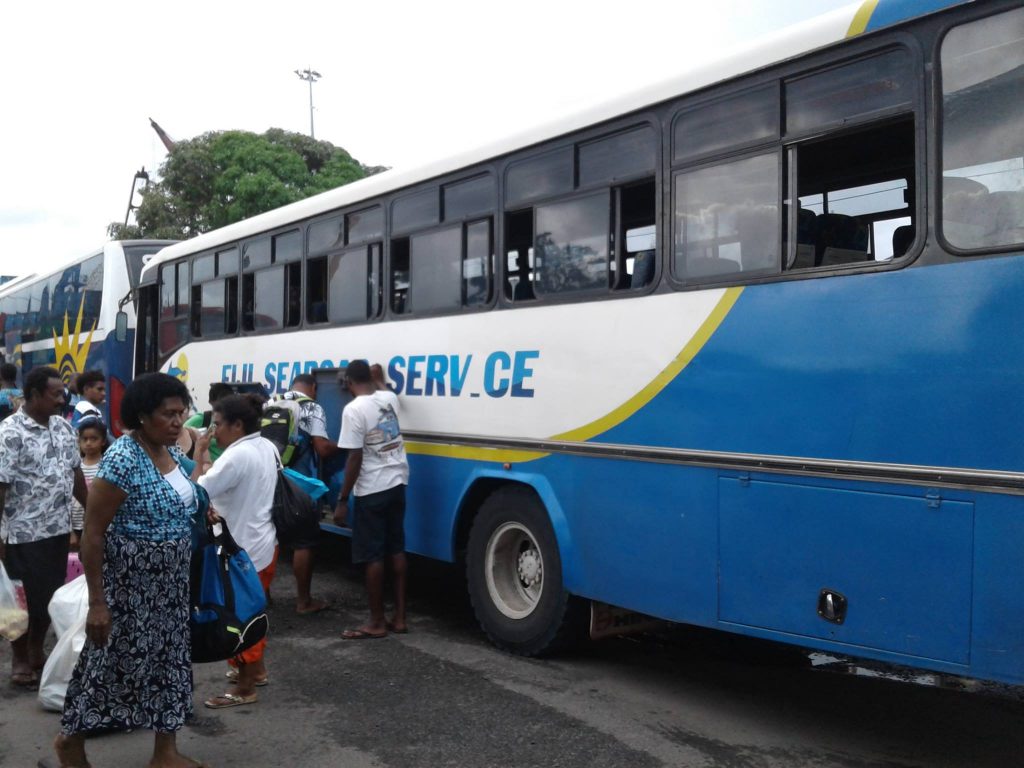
515,576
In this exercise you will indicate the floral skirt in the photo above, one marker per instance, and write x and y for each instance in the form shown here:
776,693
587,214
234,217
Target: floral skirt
142,677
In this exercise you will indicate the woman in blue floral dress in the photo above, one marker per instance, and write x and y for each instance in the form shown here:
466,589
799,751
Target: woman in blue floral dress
136,669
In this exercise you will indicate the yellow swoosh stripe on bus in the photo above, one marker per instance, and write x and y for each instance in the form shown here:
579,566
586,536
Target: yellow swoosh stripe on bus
612,419
861,18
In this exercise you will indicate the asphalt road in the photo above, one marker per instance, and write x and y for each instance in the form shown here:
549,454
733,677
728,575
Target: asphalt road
443,696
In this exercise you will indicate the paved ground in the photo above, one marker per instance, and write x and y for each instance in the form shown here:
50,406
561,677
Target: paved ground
442,696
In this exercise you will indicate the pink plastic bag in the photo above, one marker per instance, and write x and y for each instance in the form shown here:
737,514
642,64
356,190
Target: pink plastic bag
75,568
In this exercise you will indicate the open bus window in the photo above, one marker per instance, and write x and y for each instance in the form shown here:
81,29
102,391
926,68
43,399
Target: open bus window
982,140
636,237
316,290
519,256
400,276
854,197
727,219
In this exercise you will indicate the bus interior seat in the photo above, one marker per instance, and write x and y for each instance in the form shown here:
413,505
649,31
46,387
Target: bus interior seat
902,239
806,239
709,266
966,213
643,269
318,312
841,239
1007,217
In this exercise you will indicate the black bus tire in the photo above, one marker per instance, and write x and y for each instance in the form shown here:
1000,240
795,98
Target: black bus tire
514,573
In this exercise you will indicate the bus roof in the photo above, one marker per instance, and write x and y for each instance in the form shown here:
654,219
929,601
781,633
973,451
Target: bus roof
34,277
848,21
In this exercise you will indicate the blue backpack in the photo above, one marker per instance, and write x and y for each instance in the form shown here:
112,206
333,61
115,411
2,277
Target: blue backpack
227,608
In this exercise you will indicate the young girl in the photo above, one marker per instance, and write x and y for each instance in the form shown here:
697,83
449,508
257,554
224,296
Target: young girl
92,442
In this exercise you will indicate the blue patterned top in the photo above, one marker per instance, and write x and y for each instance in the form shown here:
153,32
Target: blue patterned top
153,510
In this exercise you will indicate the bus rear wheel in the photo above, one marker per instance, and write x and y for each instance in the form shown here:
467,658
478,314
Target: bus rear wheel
515,577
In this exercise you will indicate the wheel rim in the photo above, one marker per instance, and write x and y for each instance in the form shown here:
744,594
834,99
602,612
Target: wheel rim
514,568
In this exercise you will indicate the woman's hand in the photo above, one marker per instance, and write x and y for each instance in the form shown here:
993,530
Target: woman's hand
211,516
97,623
203,443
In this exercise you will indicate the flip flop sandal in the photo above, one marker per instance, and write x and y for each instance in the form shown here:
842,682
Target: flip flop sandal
359,634
391,628
228,700
232,675
25,679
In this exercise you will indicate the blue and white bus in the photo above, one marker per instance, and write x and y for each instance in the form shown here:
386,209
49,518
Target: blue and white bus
743,349
66,318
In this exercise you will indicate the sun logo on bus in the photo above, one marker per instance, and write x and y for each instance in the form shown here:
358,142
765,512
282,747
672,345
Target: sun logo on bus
180,369
70,352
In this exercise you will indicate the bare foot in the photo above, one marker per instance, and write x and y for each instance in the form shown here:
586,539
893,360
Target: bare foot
313,606
70,751
178,761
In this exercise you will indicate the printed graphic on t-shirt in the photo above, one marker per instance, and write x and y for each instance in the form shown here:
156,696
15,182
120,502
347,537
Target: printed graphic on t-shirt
387,435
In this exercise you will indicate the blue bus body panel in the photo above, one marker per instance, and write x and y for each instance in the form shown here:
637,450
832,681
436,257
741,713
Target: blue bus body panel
917,366
889,12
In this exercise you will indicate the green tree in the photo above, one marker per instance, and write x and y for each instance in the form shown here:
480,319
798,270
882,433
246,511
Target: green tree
226,176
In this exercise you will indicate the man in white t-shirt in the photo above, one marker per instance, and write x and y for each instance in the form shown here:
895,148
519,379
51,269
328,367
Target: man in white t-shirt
376,473
92,386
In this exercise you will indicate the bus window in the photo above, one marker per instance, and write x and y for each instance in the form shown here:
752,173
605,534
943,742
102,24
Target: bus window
468,198
435,271
571,245
415,211
400,276
316,290
538,177
727,219
982,148
326,235
747,118
174,306
620,156
478,264
636,236
835,97
365,225
348,280
519,256
848,210
293,292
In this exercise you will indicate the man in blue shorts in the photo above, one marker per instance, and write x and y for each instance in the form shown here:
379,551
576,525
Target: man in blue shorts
376,473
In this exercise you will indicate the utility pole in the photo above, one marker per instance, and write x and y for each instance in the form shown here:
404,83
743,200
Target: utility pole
310,76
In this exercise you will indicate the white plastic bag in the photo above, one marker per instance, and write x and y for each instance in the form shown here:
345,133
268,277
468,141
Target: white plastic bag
13,611
69,608
69,604
53,682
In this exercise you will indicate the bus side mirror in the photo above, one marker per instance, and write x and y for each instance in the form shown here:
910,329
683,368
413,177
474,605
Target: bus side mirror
121,326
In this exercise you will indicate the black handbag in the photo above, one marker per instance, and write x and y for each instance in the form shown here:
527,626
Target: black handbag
227,605
293,510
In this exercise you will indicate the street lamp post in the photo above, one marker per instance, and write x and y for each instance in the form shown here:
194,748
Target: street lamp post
310,76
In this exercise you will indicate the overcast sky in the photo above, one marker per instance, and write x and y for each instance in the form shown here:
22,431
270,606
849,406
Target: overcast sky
403,82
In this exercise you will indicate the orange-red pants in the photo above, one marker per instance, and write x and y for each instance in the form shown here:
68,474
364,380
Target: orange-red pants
254,654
